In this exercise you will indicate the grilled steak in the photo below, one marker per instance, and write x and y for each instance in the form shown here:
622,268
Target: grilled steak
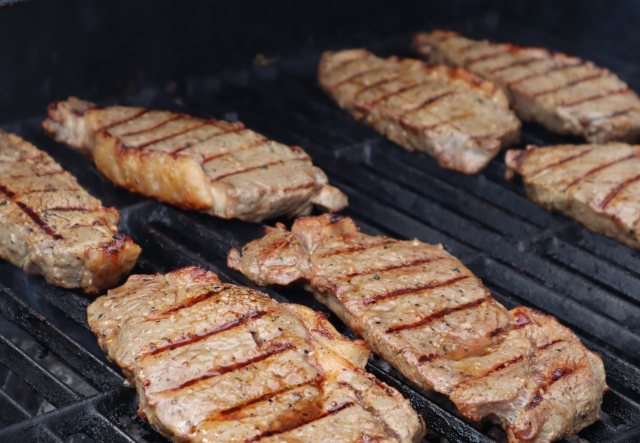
565,94
215,362
450,114
212,166
420,309
49,225
598,185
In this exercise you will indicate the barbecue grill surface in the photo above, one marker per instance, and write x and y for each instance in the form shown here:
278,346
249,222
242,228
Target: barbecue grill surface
525,255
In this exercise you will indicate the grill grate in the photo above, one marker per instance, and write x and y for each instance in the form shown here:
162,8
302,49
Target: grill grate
523,254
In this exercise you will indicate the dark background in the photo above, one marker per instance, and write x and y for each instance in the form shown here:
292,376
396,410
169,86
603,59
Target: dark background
98,49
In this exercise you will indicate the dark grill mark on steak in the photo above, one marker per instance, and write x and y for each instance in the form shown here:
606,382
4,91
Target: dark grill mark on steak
600,168
571,83
496,332
158,140
484,57
514,64
617,190
403,291
291,427
245,146
61,171
418,262
368,106
595,97
428,358
275,349
186,304
558,374
539,350
349,61
156,126
31,214
545,72
378,83
229,413
428,101
189,339
359,74
521,321
462,116
123,121
611,115
264,166
564,160
355,248
437,316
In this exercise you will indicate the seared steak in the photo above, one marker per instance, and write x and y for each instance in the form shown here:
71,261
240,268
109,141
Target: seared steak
215,362
212,166
565,94
49,225
598,185
451,114
420,309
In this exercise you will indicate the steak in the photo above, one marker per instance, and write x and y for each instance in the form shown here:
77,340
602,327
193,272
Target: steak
50,226
213,166
598,185
452,115
426,314
215,362
565,94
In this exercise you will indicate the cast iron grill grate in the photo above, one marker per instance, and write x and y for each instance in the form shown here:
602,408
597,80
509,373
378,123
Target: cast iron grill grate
522,253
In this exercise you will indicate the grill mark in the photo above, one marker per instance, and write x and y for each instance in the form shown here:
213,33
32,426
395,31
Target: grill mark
190,339
621,91
403,291
539,350
514,64
302,186
496,332
543,73
376,102
264,166
437,316
62,171
359,74
286,428
558,374
417,262
481,58
31,214
344,63
186,304
428,358
353,249
123,121
33,191
260,142
170,119
158,140
563,161
67,208
378,83
448,121
600,168
617,190
275,349
427,102
571,83
237,408
612,114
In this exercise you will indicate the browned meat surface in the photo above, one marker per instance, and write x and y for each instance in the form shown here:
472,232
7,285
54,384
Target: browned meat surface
49,225
598,185
565,94
424,312
451,114
212,166
215,362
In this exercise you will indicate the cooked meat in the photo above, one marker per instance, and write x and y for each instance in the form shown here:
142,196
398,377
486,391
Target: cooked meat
598,185
215,362
212,166
450,114
49,225
420,309
564,94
